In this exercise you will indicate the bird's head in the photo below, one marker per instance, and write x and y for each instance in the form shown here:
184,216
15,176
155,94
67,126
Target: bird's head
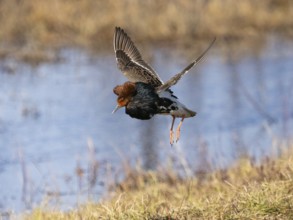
124,92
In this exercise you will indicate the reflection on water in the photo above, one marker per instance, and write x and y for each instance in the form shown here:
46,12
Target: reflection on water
148,145
53,115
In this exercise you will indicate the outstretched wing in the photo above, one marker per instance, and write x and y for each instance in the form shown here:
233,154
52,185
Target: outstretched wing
178,76
130,62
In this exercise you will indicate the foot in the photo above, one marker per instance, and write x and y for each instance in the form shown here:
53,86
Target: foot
171,131
171,137
177,134
178,130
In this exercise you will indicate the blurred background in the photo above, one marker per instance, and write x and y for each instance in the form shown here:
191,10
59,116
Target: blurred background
61,146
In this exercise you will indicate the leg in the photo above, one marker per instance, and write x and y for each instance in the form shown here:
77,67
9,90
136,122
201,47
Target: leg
178,129
171,130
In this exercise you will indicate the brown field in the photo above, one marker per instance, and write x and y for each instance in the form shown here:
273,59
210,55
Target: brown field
90,23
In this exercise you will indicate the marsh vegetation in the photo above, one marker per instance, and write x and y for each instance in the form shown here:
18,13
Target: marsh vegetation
90,23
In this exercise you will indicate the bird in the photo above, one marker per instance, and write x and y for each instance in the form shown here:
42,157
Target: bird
145,94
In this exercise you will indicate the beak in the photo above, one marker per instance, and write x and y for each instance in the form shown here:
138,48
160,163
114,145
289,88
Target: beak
116,108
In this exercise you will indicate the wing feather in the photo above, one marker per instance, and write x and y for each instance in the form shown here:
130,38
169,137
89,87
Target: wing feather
130,62
178,76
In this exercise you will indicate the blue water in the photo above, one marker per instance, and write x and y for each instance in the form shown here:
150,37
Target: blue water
56,117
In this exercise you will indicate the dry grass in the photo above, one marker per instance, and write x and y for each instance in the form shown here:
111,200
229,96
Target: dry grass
244,191
90,23
30,27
